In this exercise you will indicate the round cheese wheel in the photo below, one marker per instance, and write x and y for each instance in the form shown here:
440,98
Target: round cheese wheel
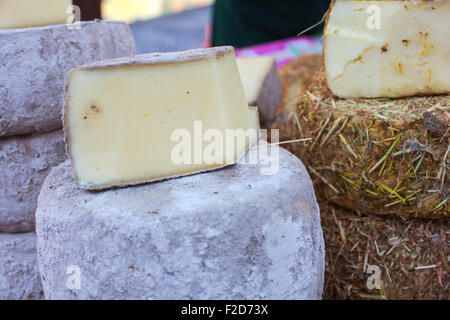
227,234
33,67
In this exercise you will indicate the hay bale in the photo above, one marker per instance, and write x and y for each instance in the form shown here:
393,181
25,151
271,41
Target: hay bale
295,76
376,156
411,254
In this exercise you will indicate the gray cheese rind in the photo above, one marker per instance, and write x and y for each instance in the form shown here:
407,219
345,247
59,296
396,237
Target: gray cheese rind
33,67
19,272
25,162
159,58
227,234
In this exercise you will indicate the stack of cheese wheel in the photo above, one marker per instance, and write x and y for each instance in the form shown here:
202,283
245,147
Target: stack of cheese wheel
132,126
37,49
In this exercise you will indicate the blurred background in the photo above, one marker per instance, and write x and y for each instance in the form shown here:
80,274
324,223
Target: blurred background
133,10
256,27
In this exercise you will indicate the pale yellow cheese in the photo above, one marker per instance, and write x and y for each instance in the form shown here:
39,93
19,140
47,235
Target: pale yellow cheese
253,72
123,117
32,13
388,48
262,85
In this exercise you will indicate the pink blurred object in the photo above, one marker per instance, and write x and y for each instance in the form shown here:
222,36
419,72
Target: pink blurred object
208,32
284,51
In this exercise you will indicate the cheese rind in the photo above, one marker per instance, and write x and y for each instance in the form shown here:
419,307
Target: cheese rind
19,274
406,54
33,67
262,85
25,161
125,117
32,13
200,227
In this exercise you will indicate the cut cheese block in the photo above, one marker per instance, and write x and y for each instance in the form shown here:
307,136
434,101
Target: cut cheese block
151,117
34,63
25,161
388,48
33,13
262,85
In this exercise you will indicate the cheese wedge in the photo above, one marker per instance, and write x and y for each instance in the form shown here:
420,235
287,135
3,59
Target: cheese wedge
379,49
33,13
262,85
156,116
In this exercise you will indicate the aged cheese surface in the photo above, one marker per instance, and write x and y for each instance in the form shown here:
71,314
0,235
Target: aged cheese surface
25,161
156,116
32,13
262,85
34,63
388,48
19,274
210,230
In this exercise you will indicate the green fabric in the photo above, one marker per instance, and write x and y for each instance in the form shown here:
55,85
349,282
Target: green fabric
243,23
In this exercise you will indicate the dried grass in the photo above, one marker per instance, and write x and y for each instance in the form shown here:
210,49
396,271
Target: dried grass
376,156
413,256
